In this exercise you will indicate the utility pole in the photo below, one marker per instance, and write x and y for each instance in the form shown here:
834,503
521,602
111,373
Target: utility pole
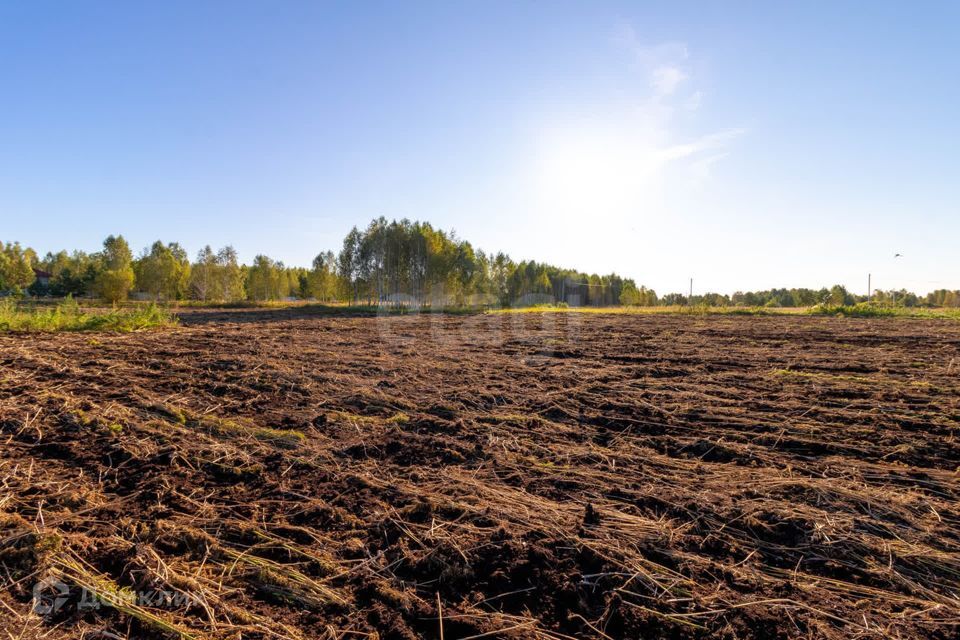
869,287
691,289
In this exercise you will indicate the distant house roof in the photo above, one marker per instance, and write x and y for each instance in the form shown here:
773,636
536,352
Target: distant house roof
40,273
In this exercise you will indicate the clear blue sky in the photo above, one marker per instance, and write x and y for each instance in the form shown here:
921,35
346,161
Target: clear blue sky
745,144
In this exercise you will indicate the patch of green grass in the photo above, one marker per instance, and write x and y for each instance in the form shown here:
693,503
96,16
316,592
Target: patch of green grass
811,375
237,304
69,316
869,310
877,379
240,427
353,418
659,310
862,310
853,311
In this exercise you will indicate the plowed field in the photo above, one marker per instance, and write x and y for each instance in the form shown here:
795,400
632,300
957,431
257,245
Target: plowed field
280,475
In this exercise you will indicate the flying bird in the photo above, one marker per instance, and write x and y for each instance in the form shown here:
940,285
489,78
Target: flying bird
898,255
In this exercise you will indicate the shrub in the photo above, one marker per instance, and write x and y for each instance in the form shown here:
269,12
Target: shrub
67,316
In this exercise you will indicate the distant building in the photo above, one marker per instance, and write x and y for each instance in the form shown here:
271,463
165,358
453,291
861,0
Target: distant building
43,278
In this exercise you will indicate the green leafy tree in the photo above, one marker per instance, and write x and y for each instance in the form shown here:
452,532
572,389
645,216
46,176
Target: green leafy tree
942,298
163,271
839,296
321,281
231,275
630,295
216,277
349,262
204,280
266,279
16,267
71,274
116,279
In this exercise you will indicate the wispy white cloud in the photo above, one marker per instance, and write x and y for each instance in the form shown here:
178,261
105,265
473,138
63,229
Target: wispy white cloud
668,70
708,142
665,65
666,79
692,103
622,158
701,170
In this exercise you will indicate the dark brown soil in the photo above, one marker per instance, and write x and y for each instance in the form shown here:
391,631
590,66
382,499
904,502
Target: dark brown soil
497,476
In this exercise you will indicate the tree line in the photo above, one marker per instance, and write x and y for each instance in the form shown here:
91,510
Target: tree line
388,262
837,295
